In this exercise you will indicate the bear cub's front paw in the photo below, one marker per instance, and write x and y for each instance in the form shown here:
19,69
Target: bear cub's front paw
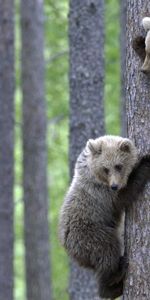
145,161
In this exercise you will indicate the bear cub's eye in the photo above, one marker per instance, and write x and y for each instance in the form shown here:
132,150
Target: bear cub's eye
118,167
106,170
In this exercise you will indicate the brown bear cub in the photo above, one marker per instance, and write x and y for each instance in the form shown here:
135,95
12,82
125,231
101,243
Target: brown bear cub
108,177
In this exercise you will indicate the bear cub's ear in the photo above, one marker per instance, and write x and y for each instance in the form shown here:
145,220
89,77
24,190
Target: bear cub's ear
125,146
94,147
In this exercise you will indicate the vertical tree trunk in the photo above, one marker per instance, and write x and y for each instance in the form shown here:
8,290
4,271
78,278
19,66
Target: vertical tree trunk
123,21
138,111
35,154
6,147
86,104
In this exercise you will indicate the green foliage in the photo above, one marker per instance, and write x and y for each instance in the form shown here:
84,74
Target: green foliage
56,56
112,67
57,97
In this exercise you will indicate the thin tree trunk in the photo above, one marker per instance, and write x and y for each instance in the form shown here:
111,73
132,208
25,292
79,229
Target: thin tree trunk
123,44
86,104
6,147
137,285
34,153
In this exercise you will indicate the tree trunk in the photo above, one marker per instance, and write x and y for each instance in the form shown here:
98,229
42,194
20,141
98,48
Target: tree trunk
123,43
34,153
86,104
138,116
6,147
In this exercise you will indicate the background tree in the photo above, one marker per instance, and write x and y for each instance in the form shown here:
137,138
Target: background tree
6,147
86,103
138,118
123,44
34,153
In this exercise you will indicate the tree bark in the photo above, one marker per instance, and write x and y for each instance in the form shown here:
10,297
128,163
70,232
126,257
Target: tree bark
86,36
6,147
138,117
123,21
34,153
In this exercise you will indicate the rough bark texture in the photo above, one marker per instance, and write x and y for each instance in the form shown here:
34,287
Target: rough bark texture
6,147
86,104
138,109
123,22
34,152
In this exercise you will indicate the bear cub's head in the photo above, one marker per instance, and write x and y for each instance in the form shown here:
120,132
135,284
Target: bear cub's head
111,160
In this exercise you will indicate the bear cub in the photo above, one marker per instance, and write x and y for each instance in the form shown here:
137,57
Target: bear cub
108,177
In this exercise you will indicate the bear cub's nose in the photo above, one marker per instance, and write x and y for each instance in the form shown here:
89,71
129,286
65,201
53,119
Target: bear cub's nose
114,187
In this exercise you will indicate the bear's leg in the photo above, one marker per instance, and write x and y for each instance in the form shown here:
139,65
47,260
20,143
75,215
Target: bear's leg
136,182
111,284
111,270
119,275
111,292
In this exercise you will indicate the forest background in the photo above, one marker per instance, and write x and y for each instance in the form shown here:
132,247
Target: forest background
57,98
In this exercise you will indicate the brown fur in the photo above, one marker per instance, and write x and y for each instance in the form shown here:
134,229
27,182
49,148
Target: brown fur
138,45
92,211
142,46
